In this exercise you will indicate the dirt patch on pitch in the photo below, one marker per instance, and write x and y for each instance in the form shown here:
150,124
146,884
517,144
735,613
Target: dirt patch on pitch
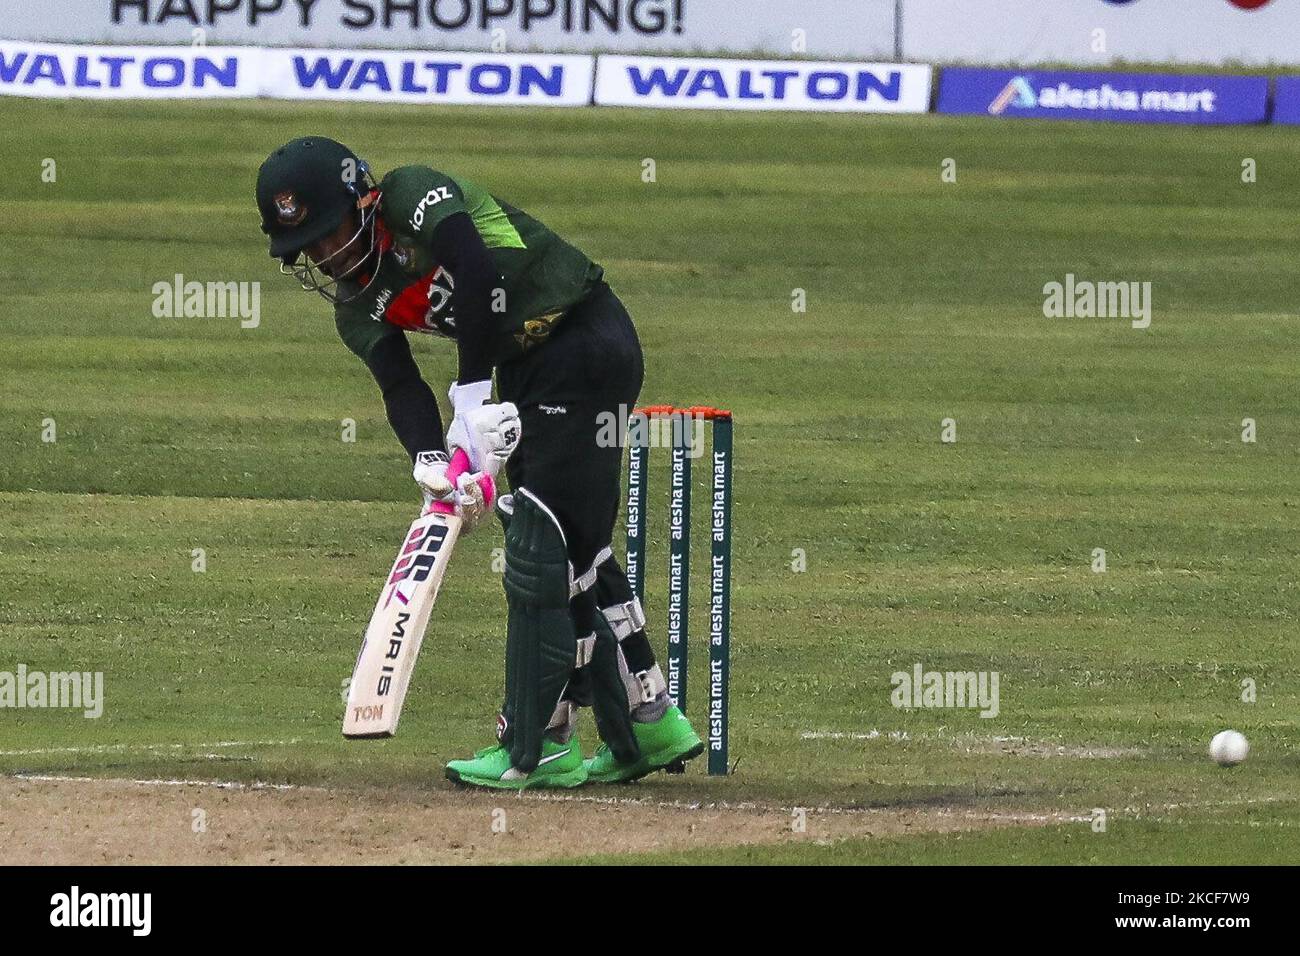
90,821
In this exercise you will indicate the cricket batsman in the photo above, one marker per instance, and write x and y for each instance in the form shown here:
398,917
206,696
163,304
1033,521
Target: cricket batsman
423,251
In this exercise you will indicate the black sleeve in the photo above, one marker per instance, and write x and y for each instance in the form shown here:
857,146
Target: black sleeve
412,409
458,246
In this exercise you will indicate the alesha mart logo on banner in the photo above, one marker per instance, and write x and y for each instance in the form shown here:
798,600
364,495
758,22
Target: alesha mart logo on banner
1017,93
1102,97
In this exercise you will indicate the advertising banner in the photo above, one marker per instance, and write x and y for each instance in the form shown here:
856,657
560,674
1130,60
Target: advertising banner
816,28
1118,97
1286,100
427,77
394,76
694,83
117,72
1087,33
1091,34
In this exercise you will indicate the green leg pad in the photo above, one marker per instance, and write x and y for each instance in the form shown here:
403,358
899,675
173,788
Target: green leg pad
541,643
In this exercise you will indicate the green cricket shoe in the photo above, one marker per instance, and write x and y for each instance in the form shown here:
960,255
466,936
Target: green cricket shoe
668,740
560,766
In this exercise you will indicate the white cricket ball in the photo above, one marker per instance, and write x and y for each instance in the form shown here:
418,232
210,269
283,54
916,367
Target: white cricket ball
1228,748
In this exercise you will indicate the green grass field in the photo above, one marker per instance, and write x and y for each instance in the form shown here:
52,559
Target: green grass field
924,302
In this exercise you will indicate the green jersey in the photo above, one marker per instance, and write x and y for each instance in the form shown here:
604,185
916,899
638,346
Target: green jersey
540,276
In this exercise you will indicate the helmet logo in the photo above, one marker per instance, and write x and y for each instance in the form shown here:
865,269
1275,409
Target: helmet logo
288,210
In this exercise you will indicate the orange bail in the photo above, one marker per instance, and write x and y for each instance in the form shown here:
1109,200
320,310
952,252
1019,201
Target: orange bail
695,411
651,411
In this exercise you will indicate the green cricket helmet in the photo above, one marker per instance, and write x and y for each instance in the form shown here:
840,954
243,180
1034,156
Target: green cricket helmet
306,189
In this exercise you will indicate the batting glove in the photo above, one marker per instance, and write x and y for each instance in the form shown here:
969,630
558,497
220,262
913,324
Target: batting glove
430,473
471,494
487,432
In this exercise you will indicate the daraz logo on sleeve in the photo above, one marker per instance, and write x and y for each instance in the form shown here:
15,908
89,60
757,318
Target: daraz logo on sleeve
434,196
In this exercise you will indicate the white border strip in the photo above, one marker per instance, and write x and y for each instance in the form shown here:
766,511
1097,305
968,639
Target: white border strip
146,748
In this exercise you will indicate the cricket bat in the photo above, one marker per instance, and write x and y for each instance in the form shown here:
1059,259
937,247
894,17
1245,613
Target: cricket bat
396,629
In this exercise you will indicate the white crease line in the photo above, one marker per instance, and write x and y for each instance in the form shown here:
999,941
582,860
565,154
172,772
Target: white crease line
119,748
522,794
874,734
1041,748
216,784
1051,816
1248,801
724,805
539,797
542,797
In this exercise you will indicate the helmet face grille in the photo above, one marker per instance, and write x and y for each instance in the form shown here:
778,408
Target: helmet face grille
320,277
